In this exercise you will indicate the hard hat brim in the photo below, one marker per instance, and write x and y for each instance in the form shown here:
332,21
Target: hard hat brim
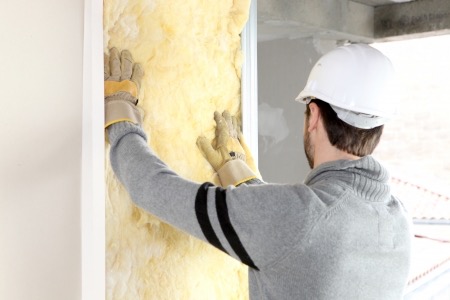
355,119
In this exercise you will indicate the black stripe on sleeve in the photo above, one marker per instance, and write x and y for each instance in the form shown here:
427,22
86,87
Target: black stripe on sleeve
228,230
201,211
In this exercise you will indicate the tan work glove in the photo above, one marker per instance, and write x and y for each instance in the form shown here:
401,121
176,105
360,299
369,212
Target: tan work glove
122,83
227,157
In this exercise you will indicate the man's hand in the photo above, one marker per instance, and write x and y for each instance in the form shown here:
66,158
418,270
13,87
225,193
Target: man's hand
227,146
226,154
122,82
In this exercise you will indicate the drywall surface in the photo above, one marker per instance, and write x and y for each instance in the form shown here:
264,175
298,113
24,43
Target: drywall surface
40,129
190,51
283,68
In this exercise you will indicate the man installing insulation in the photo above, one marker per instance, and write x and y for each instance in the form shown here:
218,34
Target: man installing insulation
339,235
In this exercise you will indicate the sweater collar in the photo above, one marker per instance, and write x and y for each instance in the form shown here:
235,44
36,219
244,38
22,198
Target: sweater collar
366,176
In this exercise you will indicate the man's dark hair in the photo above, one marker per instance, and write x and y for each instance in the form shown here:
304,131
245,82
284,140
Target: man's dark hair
353,140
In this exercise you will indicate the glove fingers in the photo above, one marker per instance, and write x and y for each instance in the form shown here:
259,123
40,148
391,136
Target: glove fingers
106,72
221,130
137,75
114,65
126,65
208,151
236,129
226,115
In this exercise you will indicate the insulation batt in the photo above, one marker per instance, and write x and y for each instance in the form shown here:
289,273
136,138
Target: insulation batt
191,55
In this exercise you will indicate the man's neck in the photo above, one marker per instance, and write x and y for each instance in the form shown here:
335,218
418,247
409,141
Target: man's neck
330,153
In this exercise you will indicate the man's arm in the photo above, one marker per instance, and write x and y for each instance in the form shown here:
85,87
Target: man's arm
244,222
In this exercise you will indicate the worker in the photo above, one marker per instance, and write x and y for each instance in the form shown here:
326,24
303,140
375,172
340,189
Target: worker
339,235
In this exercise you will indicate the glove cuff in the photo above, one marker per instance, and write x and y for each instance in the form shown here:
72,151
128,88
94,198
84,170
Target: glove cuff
235,172
121,110
117,131
124,86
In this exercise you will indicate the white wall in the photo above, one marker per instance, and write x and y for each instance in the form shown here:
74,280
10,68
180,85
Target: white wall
41,47
283,68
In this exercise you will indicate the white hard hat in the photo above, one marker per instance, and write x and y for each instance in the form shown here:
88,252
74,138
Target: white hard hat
356,80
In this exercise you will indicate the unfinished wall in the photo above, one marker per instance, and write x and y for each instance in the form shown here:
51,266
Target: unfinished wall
190,51
283,68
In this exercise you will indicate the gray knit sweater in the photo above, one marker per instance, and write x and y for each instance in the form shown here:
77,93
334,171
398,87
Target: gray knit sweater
340,235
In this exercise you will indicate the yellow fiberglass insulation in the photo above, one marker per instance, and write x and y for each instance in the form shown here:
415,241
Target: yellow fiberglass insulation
190,52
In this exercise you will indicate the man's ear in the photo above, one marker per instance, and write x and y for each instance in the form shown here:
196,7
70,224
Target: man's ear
313,117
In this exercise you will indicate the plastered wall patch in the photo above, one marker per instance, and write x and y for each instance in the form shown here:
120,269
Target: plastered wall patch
190,51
